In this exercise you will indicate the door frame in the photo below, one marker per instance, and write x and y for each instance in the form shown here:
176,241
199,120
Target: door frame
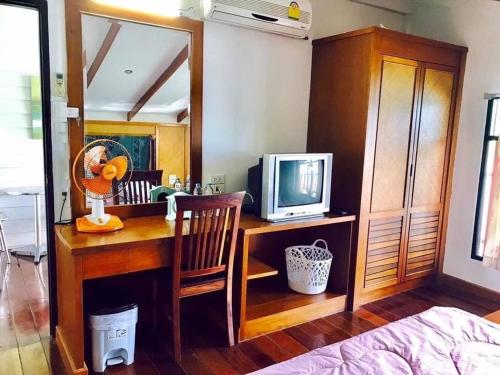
43,27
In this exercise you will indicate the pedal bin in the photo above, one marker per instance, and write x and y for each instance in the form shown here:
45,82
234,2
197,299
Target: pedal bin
113,336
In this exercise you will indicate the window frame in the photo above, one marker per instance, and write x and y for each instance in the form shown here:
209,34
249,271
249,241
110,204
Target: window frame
488,137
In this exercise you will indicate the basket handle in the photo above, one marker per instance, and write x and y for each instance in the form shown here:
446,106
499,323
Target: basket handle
324,244
322,241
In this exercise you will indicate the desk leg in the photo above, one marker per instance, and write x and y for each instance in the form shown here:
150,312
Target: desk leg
70,328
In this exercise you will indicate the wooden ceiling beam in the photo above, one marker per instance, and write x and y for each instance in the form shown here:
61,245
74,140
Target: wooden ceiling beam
182,115
114,28
164,77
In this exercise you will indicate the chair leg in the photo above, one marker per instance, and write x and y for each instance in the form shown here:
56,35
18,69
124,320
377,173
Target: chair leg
229,306
176,323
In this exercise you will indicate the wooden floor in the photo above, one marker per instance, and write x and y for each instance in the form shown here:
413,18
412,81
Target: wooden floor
26,347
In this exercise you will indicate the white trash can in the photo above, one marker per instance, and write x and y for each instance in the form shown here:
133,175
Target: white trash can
308,267
113,336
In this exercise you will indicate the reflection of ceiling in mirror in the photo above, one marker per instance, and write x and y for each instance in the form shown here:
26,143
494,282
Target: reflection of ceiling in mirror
145,50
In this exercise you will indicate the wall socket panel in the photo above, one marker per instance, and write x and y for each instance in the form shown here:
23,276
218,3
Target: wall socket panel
218,179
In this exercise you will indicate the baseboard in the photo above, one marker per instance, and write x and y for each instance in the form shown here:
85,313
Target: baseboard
389,291
445,281
68,363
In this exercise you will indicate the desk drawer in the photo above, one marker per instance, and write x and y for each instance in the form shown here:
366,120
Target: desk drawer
148,257
121,261
105,263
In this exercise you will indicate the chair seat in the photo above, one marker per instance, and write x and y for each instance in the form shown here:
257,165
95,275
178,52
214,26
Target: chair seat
193,287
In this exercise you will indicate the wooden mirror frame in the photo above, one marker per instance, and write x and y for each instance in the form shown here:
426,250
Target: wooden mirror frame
74,11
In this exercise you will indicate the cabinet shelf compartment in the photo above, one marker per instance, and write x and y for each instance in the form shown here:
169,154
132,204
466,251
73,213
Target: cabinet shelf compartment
258,269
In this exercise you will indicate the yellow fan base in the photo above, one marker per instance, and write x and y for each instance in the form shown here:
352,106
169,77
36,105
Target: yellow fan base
86,226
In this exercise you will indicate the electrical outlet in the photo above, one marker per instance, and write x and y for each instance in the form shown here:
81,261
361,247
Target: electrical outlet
171,179
218,179
218,188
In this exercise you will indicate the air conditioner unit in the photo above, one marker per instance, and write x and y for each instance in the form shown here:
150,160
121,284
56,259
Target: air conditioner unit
272,16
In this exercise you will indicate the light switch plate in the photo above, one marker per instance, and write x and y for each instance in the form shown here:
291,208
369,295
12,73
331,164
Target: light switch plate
171,179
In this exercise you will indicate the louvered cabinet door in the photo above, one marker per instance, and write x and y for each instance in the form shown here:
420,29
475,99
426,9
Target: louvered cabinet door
389,198
430,166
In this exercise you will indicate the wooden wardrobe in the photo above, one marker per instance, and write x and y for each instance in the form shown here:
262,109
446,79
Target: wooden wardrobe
386,105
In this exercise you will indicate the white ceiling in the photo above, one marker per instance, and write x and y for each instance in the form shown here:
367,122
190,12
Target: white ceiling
147,51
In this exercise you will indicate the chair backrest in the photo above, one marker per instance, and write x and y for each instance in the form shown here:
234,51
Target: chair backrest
139,187
209,246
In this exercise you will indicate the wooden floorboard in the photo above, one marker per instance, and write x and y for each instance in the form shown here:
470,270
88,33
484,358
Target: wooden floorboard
27,349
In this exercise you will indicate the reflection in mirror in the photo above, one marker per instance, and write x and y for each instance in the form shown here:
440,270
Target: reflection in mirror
137,93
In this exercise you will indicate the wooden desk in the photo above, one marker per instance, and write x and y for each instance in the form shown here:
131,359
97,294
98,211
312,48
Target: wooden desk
146,244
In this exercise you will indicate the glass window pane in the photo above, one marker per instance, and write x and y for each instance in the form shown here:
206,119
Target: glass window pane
485,195
495,125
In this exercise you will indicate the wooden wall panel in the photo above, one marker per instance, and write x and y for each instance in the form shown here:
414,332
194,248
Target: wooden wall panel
393,135
432,138
171,143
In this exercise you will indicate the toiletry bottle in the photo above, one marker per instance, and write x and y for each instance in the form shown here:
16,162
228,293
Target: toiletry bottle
178,185
197,190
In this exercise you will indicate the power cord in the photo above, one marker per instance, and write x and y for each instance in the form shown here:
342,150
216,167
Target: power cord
61,221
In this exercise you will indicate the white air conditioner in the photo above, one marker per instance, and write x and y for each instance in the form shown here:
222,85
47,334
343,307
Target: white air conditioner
265,15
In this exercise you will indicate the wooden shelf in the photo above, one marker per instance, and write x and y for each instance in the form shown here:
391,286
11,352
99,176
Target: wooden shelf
251,224
272,306
257,269
275,297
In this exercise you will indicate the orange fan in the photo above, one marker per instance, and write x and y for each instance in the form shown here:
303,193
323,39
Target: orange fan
98,172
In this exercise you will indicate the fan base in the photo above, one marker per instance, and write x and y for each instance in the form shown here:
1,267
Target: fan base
86,226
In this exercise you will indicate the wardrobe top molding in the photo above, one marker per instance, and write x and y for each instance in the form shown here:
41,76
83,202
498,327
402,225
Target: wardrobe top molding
382,32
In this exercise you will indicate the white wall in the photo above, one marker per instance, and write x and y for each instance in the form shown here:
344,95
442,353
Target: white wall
332,17
473,24
256,99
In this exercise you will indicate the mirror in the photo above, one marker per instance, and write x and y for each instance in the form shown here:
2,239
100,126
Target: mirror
136,89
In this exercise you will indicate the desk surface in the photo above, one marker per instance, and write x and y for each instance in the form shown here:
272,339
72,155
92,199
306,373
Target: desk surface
155,229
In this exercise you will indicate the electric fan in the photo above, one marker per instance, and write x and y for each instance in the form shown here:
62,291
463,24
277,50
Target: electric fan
98,173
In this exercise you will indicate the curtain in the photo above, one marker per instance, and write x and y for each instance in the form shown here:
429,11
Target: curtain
491,256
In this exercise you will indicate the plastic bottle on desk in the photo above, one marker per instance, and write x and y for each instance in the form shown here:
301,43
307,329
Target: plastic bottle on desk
197,190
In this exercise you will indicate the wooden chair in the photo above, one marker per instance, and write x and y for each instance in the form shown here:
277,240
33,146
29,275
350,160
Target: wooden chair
203,259
141,183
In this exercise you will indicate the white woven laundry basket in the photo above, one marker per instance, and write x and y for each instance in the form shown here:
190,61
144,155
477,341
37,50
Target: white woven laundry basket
308,267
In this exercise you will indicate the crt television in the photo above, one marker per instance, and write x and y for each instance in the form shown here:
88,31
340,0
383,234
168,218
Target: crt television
289,186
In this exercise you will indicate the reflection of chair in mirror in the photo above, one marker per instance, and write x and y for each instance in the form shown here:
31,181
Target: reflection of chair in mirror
138,190
206,265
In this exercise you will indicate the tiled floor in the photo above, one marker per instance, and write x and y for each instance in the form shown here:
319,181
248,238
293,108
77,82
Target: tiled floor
26,348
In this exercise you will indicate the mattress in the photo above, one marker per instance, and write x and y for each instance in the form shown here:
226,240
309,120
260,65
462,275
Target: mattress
441,340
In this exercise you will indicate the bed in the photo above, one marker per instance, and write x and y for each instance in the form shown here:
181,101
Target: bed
441,340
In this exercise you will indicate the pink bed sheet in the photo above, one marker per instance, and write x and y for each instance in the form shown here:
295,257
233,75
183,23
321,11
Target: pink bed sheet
441,340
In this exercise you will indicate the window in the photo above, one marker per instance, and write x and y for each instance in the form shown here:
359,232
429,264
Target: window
485,180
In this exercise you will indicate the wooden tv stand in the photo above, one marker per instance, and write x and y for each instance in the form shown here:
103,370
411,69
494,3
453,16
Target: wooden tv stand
267,304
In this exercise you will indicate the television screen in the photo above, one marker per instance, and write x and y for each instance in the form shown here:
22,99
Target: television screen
300,182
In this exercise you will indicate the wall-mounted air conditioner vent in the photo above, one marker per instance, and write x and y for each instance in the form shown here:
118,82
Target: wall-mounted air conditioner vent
272,15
